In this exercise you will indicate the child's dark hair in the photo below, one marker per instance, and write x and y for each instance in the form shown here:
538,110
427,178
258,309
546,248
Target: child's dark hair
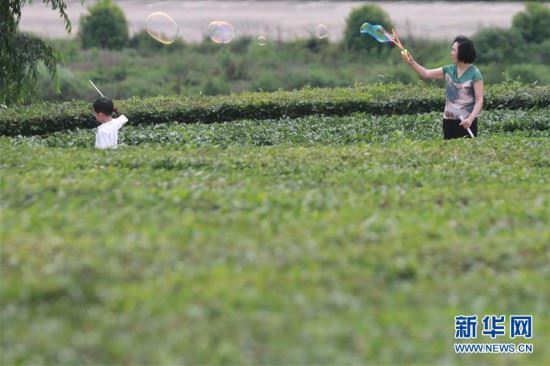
104,105
466,49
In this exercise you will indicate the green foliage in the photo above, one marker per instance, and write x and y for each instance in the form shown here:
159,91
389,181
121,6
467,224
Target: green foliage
521,51
297,253
304,131
216,86
105,26
267,82
206,68
499,45
145,44
534,23
353,39
21,53
528,73
375,99
316,45
240,45
311,77
68,84
539,53
20,74
233,65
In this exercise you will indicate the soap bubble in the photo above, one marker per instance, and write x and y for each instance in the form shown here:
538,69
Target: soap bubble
321,31
376,31
221,32
262,40
162,27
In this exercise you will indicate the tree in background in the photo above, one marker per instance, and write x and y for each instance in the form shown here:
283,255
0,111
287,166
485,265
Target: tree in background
20,53
527,41
534,23
499,45
355,41
104,27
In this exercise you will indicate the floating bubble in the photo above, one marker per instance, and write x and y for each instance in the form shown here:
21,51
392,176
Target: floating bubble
376,31
321,31
162,27
262,40
221,32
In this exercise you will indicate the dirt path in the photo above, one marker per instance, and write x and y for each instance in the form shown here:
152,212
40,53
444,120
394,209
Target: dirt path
286,19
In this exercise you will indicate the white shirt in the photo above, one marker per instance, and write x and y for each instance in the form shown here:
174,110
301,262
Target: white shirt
106,136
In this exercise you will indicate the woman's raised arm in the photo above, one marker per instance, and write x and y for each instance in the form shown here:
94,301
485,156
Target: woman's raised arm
428,74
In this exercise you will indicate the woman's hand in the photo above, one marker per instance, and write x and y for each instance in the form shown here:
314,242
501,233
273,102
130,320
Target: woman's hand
467,123
407,57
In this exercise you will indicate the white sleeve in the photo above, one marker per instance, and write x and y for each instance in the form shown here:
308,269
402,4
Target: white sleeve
120,121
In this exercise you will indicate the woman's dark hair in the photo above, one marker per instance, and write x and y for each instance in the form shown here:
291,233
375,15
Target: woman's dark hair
104,105
466,49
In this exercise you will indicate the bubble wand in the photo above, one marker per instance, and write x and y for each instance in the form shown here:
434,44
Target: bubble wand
100,93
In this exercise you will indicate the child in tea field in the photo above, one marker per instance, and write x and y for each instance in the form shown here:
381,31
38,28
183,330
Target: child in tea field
107,132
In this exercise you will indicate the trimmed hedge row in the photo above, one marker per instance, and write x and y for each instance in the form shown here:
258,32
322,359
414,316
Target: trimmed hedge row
304,131
376,99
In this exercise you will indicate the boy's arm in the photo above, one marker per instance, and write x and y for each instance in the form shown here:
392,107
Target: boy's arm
121,120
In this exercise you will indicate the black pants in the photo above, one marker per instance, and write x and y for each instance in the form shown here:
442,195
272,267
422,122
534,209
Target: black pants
453,130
